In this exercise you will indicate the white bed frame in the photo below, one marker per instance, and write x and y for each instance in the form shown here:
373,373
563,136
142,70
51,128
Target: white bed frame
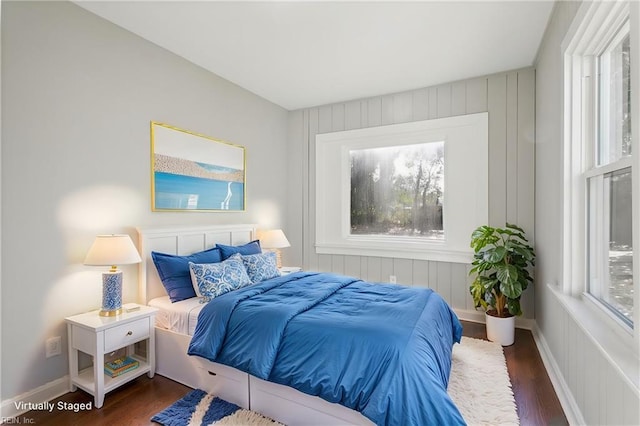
279,402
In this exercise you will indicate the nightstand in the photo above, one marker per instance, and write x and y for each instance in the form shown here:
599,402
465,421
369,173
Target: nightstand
284,270
96,336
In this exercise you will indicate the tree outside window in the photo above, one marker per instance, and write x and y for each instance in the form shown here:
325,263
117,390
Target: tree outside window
398,190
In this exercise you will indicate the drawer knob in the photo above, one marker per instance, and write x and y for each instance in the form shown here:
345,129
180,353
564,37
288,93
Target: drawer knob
129,333
211,373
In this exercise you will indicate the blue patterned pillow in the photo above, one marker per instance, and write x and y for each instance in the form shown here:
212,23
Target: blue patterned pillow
261,266
215,279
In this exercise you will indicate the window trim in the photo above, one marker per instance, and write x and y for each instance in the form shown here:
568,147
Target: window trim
466,169
593,28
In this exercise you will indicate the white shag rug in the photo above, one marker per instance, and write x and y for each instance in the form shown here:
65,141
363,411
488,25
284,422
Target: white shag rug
479,384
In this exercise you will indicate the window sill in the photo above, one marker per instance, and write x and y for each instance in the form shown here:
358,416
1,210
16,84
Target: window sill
616,345
395,250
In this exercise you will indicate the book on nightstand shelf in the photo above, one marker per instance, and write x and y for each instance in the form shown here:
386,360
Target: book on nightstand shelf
120,366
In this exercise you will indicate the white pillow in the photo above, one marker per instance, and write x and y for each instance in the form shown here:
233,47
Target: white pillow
214,279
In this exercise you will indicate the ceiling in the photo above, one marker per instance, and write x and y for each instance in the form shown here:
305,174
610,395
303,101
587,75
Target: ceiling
299,54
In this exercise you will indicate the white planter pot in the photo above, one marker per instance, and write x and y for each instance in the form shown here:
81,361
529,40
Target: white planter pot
501,330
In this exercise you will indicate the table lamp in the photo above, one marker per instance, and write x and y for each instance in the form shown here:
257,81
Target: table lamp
112,250
274,240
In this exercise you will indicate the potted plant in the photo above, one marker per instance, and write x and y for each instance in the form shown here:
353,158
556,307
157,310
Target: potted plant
502,257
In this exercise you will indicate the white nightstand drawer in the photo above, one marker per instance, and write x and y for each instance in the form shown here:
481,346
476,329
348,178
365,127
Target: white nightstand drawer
126,334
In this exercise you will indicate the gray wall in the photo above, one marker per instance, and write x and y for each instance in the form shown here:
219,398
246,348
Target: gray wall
78,94
594,383
509,99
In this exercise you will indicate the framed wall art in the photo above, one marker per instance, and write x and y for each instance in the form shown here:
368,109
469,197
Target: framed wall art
194,172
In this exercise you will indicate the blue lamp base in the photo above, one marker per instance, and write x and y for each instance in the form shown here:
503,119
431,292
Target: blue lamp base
111,294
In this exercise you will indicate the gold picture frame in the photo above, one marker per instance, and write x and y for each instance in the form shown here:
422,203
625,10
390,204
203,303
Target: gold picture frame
194,172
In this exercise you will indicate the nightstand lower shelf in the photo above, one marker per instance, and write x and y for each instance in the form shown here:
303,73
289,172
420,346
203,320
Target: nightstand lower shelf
86,382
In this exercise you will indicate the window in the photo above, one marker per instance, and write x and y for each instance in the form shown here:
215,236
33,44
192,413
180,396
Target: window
599,218
380,191
608,181
614,99
398,190
610,245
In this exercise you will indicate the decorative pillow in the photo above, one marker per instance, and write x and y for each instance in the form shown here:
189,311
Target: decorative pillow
261,266
214,279
250,248
174,271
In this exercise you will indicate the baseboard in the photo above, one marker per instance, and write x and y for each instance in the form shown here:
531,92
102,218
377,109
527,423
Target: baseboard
567,401
478,316
20,404
472,316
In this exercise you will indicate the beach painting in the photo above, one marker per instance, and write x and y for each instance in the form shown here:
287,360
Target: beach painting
193,172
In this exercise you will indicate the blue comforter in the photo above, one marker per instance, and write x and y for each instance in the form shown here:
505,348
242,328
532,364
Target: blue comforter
383,350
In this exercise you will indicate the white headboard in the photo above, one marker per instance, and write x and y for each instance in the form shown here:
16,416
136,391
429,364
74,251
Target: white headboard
181,241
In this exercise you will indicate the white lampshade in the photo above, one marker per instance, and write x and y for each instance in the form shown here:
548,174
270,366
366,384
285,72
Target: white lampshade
110,250
273,238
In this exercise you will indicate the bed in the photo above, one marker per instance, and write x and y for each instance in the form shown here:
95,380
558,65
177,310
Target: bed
268,388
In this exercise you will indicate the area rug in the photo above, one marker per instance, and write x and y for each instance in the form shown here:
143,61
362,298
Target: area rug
200,408
479,385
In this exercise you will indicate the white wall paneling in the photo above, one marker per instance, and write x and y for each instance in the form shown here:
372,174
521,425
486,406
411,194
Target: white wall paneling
509,100
591,386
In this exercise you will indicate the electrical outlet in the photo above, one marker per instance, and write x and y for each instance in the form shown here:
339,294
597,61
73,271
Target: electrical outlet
53,346
392,279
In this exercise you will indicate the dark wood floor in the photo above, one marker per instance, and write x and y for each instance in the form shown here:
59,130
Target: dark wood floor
136,402
537,402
